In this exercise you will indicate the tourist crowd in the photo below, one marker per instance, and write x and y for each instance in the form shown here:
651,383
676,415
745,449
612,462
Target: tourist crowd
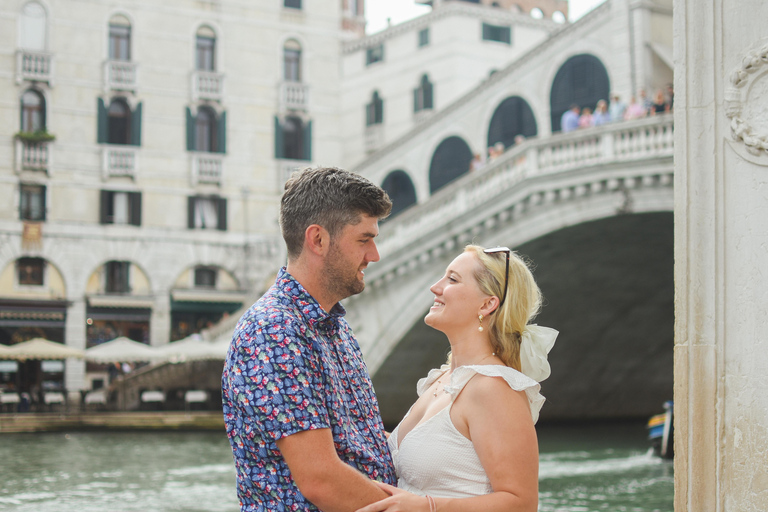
639,106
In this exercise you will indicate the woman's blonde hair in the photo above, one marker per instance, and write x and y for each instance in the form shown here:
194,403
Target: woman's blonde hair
522,303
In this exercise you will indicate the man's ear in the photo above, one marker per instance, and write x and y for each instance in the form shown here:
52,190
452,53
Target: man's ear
317,240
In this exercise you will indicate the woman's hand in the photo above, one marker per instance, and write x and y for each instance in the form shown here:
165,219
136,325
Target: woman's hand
398,501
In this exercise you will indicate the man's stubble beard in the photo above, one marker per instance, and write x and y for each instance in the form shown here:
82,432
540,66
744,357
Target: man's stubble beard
340,281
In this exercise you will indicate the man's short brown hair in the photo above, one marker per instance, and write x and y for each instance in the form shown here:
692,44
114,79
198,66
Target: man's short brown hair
330,197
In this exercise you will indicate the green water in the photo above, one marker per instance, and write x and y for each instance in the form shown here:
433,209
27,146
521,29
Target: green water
583,469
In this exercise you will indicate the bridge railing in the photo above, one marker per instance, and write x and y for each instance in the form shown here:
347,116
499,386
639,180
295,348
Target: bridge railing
609,144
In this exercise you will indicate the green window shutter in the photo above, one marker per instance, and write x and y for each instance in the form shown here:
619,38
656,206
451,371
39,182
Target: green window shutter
106,206
278,139
101,122
191,212
307,150
43,201
136,126
190,130
221,135
222,226
134,199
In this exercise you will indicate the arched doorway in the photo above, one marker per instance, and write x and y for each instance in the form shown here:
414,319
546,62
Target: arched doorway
512,117
400,189
450,160
583,81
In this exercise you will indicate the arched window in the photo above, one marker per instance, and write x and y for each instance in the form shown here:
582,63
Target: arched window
581,81
512,117
423,95
374,111
32,111
118,122
292,61
32,27
119,38
451,160
205,49
205,130
399,187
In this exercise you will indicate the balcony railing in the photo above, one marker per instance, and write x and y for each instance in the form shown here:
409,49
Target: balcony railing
119,161
34,65
32,156
294,96
120,75
287,167
374,137
207,168
207,85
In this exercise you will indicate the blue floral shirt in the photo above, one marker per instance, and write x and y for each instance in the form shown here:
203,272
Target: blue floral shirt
293,367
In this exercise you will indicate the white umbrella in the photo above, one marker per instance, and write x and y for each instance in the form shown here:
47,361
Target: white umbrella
121,350
191,348
39,348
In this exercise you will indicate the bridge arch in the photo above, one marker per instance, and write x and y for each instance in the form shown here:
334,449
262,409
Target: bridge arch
511,118
449,161
399,186
581,80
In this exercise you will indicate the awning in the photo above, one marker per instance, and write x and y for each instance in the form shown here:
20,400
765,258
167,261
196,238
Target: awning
120,314
208,296
33,313
121,301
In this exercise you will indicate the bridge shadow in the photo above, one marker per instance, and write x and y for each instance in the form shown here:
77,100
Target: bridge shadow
609,290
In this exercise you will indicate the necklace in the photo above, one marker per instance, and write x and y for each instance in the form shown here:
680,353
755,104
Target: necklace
434,393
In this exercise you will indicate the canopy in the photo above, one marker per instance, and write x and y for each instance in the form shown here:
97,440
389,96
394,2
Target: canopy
39,348
191,348
121,350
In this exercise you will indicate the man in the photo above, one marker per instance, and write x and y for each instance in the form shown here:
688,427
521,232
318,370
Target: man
616,109
300,412
570,119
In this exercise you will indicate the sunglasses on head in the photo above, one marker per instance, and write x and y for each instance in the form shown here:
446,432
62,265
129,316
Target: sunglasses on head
508,251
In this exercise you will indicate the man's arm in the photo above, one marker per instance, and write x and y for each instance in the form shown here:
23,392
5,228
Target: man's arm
322,477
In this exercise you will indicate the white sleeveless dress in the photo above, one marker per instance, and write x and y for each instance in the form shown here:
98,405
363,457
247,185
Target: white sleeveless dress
435,458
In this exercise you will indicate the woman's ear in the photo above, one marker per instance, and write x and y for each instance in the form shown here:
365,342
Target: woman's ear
490,304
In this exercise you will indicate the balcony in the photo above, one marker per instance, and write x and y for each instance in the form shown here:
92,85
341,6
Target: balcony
374,137
207,168
207,85
119,75
119,162
294,96
32,156
34,65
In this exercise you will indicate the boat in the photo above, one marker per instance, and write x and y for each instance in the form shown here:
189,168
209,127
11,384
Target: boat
661,430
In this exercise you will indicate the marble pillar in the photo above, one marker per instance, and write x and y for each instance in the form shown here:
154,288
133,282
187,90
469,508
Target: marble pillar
721,255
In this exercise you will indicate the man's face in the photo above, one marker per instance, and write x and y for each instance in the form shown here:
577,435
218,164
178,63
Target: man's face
349,254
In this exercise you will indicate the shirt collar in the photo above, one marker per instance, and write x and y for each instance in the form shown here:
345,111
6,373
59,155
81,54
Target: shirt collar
310,309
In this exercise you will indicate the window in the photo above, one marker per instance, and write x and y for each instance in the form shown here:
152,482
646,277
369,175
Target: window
120,208
119,39
205,49
32,203
374,111
292,61
423,37
206,131
205,277
293,4
32,27
30,271
422,95
354,9
207,212
118,122
502,34
374,54
32,111
293,138
116,277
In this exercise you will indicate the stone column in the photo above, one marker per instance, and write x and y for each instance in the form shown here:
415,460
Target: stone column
721,255
160,322
74,336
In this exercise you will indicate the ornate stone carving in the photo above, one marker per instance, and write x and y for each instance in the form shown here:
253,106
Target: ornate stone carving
746,103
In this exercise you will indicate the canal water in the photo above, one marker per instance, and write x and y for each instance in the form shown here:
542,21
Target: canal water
583,469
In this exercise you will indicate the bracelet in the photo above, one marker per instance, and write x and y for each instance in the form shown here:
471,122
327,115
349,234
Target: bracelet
432,505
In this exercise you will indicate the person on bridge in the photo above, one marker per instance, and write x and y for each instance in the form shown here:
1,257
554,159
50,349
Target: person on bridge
570,119
299,407
469,443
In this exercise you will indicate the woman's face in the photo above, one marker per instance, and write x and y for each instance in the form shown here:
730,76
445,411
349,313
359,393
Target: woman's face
458,298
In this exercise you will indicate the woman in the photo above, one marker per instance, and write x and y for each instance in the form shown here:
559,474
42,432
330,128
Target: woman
469,443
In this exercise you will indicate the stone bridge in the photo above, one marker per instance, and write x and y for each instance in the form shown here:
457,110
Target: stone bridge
592,210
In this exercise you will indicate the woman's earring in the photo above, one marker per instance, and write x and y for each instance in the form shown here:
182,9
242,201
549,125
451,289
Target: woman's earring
480,317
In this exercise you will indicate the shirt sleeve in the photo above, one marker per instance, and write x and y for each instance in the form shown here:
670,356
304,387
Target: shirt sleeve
281,380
